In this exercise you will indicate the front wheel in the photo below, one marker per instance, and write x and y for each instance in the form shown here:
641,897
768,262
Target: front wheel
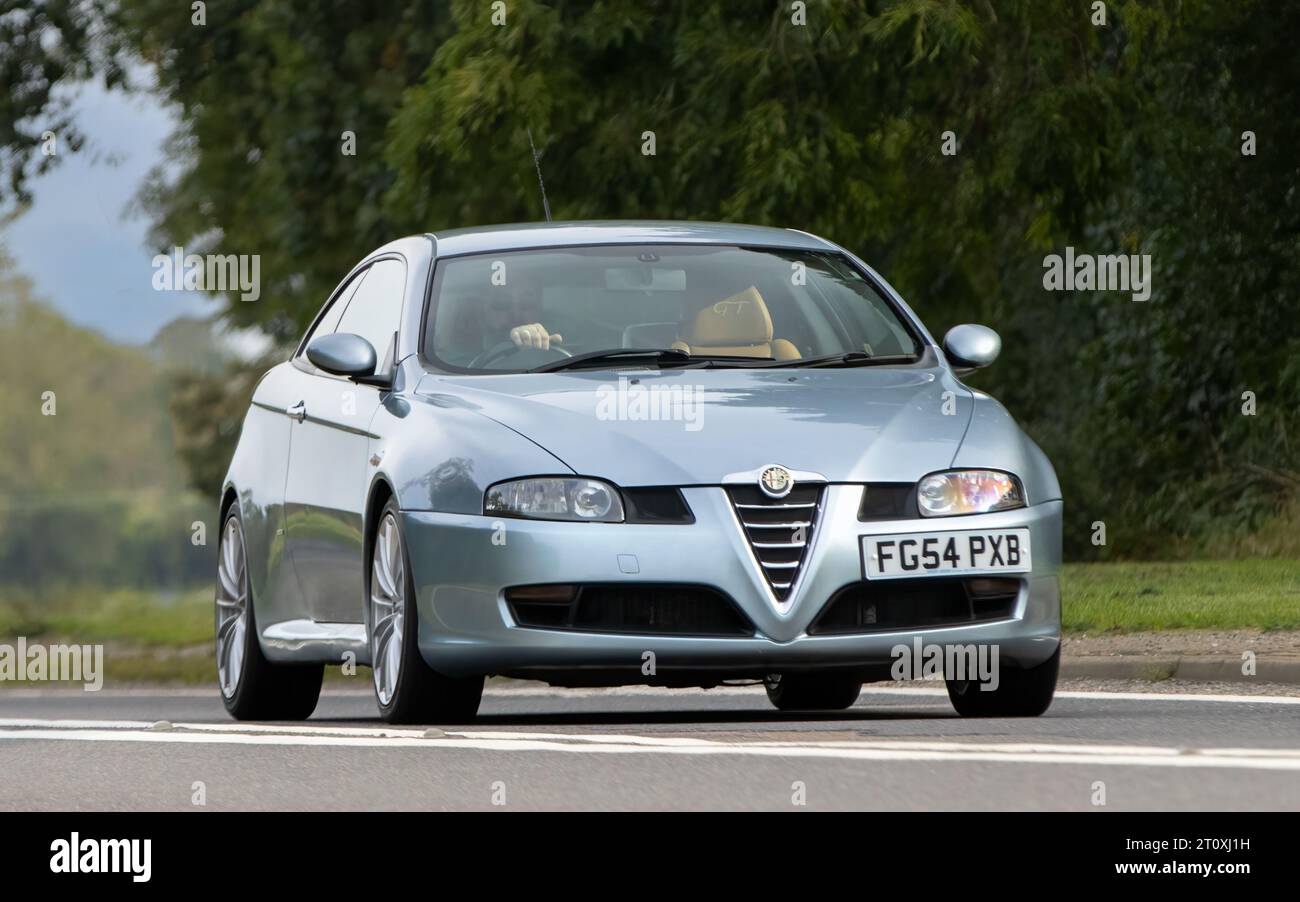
253,688
1021,691
812,692
406,689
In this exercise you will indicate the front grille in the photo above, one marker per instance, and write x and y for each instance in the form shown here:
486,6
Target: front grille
650,609
779,530
884,606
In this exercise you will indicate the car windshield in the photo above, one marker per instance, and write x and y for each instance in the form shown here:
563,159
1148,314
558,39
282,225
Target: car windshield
729,305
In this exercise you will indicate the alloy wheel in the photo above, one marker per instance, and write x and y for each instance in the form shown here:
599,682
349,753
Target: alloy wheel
387,607
232,607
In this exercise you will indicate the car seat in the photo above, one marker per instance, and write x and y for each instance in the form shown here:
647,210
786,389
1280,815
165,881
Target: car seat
737,326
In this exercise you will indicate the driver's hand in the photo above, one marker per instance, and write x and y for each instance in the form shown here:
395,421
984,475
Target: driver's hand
534,335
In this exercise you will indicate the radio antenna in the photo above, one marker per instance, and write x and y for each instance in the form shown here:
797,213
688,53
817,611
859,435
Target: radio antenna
537,163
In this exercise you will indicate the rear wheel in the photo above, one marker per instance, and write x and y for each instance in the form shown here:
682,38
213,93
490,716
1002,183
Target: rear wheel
253,688
812,692
1021,692
406,689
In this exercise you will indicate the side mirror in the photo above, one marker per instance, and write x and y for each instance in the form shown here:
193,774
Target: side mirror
343,354
969,347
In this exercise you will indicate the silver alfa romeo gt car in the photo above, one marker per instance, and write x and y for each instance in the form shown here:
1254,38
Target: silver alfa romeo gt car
666,453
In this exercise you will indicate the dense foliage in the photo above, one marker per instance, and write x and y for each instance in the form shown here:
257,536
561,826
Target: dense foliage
1123,137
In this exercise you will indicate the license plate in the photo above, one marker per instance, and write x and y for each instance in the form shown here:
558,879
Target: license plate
970,551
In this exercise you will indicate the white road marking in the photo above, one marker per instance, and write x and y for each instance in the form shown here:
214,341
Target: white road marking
307,735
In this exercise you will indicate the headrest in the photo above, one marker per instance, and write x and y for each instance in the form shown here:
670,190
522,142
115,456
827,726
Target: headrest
741,319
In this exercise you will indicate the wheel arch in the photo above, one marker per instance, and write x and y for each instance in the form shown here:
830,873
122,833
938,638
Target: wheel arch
228,499
381,490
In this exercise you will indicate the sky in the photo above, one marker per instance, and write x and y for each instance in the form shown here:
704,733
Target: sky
85,251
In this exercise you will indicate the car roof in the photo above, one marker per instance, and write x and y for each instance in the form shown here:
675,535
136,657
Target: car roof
521,236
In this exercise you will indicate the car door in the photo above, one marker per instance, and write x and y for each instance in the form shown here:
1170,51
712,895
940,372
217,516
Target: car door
325,489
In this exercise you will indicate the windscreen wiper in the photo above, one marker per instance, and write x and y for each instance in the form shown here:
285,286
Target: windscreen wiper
851,358
660,356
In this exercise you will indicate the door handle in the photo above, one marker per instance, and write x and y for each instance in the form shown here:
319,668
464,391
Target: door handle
297,411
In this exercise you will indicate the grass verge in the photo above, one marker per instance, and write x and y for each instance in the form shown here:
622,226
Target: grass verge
1155,597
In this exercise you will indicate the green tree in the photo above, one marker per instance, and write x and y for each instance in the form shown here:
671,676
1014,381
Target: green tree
267,90
42,47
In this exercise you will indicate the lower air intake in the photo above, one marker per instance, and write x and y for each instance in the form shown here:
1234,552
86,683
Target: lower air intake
904,604
647,609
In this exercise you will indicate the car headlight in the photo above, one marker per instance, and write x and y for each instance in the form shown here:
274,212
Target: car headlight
555,498
968,492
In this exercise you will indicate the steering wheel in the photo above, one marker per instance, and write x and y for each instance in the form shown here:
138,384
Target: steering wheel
506,348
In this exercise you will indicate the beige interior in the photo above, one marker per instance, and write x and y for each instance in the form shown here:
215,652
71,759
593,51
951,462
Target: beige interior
738,326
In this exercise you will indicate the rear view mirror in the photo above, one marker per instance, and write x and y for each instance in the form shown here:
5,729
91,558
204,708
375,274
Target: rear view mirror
969,347
342,354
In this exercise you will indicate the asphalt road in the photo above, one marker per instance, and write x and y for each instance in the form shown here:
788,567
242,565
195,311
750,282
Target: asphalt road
542,748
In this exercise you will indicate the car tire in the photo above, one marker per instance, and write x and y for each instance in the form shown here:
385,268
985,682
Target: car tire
812,691
1021,692
251,687
413,692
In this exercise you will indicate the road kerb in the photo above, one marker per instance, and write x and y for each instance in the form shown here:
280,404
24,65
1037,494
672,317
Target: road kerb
1198,668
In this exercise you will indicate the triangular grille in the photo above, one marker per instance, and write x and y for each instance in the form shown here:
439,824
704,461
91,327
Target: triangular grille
779,530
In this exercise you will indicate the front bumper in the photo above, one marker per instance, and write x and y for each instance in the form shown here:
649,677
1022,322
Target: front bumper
462,564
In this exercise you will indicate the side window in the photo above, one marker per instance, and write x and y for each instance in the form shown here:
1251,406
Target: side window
375,312
330,320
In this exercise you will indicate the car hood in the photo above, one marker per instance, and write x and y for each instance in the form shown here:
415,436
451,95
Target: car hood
693,426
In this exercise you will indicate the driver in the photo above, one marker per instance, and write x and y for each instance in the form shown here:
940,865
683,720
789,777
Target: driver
523,305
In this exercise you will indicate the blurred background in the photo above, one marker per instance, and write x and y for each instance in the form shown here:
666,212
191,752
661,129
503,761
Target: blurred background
1160,127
